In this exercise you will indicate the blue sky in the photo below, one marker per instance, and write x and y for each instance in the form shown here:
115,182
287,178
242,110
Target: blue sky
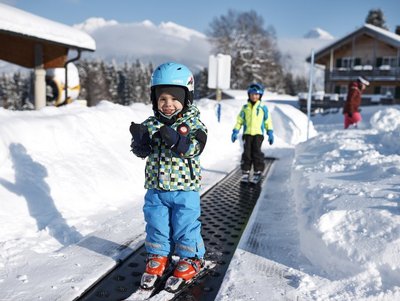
290,18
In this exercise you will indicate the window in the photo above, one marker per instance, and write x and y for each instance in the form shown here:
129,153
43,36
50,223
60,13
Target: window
347,62
388,90
342,89
389,60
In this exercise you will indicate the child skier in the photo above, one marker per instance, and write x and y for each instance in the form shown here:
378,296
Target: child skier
255,119
172,141
351,110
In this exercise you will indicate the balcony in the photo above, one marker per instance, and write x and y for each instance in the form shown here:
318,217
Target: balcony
332,102
382,73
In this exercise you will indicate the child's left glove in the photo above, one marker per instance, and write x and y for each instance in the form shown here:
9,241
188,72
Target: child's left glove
174,140
270,134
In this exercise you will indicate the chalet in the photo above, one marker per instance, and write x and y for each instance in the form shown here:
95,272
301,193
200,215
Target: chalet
369,51
35,42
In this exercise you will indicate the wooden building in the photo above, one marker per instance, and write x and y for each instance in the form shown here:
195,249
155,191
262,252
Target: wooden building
35,42
369,51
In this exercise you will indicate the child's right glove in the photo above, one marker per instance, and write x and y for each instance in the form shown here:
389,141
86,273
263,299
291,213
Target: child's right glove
234,135
270,134
140,144
173,140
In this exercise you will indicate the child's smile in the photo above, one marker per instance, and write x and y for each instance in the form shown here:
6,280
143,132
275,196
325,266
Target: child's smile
168,104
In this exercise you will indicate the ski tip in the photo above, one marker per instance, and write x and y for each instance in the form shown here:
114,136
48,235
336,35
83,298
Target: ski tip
209,264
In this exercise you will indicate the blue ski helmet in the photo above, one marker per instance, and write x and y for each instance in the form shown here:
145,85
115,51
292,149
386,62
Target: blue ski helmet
172,74
255,88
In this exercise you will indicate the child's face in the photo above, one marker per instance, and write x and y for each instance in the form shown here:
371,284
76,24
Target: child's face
254,97
168,104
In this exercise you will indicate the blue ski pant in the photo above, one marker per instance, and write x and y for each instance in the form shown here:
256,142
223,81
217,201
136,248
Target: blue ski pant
172,223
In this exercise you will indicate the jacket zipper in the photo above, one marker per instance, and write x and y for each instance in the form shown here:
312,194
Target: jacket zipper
190,168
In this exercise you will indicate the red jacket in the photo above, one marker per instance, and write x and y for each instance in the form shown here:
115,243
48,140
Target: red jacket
353,100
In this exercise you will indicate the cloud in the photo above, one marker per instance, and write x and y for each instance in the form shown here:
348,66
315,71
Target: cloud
148,42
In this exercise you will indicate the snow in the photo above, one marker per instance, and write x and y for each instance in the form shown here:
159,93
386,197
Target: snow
318,33
326,226
24,23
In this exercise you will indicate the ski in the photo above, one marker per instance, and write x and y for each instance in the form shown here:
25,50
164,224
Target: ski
176,286
255,181
256,178
245,178
151,284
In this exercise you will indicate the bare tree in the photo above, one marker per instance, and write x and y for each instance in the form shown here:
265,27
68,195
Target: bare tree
255,56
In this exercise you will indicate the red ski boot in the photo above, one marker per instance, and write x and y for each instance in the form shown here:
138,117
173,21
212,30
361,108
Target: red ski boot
187,268
156,264
155,267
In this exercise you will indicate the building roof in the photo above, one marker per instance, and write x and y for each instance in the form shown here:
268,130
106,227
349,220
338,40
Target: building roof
377,32
20,31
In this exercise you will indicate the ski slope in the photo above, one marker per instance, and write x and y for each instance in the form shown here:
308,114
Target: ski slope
325,227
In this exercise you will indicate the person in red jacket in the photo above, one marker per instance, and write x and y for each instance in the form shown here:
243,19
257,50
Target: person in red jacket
351,109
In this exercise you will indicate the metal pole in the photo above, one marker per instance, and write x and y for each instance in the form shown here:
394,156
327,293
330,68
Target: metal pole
66,76
218,92
309,94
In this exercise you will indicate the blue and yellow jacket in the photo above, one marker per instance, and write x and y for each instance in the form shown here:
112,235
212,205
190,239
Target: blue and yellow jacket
254,118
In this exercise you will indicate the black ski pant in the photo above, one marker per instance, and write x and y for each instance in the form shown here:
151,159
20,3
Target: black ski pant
252,154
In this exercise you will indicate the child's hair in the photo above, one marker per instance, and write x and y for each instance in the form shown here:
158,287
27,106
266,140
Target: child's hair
177,91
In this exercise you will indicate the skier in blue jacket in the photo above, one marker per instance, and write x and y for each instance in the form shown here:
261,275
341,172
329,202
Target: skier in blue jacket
172,141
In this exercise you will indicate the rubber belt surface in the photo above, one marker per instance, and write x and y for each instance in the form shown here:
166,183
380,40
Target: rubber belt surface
226,209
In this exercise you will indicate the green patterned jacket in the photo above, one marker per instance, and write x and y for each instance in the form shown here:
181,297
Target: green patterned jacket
167,170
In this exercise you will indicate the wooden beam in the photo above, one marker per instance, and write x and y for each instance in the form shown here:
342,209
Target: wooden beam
20,50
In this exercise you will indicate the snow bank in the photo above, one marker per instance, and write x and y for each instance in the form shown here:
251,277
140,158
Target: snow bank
71,192
387,123
347,203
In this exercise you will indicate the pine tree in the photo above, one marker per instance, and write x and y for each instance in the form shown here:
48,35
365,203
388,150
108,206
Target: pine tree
4,84
200,81
111,77
376,17
96,88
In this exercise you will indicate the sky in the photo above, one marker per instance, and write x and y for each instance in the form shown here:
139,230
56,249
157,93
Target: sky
290,18
326,225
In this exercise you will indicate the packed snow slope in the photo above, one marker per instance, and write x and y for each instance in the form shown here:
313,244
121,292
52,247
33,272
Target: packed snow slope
325,227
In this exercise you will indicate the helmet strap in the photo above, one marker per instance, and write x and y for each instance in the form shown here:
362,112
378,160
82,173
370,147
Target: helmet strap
170,116
168,119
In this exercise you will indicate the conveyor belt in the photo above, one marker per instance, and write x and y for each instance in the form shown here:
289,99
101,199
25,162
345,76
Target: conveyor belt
226,209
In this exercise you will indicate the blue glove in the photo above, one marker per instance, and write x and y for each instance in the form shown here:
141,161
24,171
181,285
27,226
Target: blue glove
140,143
142,151
173,140
140,134
270,134
234,135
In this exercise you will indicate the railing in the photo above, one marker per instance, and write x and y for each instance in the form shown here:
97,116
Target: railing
383,73
321,102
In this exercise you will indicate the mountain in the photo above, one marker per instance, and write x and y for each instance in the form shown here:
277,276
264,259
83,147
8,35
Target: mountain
147,42
296,50
318,33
